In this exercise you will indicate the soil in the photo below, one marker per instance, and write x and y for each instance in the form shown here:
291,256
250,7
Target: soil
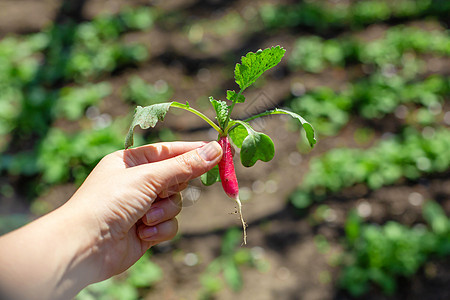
284,238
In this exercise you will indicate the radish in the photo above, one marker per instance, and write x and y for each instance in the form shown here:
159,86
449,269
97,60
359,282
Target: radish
228,178
254,145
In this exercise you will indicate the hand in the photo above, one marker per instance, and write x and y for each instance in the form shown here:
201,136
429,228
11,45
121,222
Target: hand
126,205
127,189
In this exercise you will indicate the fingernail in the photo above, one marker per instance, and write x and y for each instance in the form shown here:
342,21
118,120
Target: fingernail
154,215
148,232
210,152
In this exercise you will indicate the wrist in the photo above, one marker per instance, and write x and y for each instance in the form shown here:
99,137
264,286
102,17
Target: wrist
50,258
80,257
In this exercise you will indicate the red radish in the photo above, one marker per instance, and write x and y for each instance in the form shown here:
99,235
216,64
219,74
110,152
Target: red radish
228,178
226,169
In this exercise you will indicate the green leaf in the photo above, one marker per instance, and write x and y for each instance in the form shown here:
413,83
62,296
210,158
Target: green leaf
211,177
221,109
231,240
301,199
232,96
212,284
254,64
256,146
310,135
144,273
146,117
232,275
435,216
353,227
237,135
122,290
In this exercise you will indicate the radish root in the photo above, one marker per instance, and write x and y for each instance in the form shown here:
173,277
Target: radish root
244,225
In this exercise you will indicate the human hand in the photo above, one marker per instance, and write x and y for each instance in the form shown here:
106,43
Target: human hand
126,205
132,197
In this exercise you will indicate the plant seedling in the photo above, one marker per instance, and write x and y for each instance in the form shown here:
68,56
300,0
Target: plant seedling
254,145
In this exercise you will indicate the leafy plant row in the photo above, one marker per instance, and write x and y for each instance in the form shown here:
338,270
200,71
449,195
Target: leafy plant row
372,97
67,102
314,54
379,255
62,156
226,268
56,157
35,72
141,93
142,275
352,14
72,53
75,51
409,155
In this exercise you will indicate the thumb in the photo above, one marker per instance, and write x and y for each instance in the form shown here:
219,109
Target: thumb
182,168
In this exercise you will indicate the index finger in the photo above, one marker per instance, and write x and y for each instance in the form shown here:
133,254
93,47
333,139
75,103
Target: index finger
182,168
158,152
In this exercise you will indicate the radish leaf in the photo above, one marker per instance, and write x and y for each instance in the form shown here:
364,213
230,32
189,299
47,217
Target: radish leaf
232,96
221,109
146,117
237,135
211,177
254,64
306,126
256,146
310,135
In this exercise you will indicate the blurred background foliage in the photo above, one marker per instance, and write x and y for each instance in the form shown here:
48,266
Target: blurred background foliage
365,214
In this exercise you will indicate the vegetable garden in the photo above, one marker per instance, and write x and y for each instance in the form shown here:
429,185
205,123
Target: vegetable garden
362,214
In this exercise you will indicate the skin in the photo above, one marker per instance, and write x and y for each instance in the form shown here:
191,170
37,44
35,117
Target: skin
126,205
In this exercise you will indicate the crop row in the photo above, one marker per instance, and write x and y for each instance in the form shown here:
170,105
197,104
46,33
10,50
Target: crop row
409,155
372,97
380,254
72,53
35,73
75,51
325,16
314,54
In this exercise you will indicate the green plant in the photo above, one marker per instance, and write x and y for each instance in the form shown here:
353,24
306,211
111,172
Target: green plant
409,155
326,16
73,101
226,267
142,93
314,54
380,254
143,274
36,76
63,156
371,97
254,145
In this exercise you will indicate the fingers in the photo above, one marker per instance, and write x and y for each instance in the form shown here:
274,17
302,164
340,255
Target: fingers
161,232
173,190
181,168
159,223
157,152
163,210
